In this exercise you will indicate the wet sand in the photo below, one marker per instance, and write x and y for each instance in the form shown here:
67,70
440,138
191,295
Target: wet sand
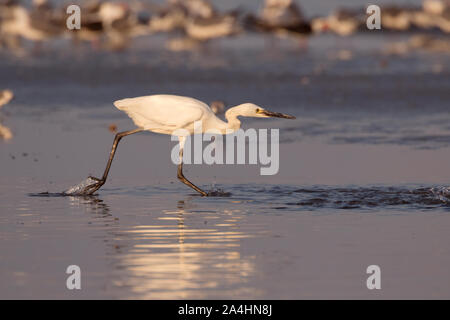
363,178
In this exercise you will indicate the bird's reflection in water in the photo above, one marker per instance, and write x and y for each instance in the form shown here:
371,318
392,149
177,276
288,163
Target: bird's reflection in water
92,205
186,254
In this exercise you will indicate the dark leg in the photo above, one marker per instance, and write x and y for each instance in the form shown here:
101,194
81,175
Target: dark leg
182,178
100,182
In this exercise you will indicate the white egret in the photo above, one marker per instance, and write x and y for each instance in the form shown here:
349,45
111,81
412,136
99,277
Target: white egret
168,113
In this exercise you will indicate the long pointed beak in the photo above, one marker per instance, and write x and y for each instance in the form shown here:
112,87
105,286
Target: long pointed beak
276,114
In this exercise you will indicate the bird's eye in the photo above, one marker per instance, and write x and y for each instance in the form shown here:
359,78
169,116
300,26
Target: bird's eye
257,110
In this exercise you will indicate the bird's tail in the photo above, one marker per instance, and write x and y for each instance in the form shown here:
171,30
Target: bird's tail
122,104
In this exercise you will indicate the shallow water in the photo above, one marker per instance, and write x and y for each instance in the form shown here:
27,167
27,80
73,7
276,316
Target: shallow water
262,241
363,175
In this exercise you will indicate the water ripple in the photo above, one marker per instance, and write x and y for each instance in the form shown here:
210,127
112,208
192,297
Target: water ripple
329,197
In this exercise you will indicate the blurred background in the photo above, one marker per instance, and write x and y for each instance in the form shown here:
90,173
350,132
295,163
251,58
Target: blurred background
315,59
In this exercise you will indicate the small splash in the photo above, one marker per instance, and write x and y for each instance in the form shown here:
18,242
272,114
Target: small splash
219,193
78,189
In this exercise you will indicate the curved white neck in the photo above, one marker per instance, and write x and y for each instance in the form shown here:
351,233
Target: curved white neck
225,127
233,122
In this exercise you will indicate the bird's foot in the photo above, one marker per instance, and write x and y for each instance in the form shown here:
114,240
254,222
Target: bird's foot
90,189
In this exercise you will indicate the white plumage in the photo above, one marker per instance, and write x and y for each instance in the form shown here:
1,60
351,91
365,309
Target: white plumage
164,113
168,113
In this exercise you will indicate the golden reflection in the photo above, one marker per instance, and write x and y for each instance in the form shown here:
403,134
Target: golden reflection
5,133
5,97
187,255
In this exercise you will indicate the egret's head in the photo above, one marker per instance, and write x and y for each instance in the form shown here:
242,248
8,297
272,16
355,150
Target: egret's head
253,110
